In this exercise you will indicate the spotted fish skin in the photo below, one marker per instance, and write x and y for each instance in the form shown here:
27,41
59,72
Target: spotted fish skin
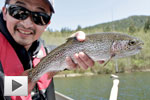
99,46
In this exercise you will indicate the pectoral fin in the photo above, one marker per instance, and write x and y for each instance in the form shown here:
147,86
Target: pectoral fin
109,59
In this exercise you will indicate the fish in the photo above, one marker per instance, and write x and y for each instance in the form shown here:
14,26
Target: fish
99,46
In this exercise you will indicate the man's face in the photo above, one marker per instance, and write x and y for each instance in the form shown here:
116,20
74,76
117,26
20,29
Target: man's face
25,32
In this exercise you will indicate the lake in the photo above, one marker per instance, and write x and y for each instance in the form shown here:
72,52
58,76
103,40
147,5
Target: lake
133,86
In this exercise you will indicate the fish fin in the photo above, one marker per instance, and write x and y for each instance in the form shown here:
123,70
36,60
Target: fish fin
71,38
106,62
66,69
109,60
29,72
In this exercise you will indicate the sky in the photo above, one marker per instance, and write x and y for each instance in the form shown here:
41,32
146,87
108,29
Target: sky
71,13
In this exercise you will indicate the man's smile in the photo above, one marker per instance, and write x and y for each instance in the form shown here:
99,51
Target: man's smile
25,32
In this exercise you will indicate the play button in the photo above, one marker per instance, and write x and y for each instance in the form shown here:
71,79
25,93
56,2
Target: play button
15,86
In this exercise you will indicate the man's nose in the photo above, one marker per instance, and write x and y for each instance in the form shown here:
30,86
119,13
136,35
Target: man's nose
27,23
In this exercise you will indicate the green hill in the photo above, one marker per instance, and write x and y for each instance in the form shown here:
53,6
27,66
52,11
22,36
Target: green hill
120,25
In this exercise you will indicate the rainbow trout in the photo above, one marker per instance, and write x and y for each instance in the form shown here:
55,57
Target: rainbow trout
100,46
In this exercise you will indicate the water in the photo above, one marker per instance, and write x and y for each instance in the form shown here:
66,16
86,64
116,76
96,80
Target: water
133,86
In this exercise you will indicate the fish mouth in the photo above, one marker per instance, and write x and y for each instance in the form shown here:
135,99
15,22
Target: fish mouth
140,45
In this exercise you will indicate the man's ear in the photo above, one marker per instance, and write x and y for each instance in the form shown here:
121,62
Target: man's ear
4,13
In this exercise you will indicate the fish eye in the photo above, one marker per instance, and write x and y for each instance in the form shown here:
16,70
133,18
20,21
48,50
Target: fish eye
132,42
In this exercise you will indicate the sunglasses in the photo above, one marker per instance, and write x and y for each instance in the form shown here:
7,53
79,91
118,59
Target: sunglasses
22,13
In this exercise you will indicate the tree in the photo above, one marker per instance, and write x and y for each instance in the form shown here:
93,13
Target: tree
65,30
132,28
147,25
106,29
78,28
50,29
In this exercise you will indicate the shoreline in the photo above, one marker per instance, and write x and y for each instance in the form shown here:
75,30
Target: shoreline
91,74
74,75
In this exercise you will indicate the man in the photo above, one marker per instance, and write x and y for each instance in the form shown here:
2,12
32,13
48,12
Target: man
21,24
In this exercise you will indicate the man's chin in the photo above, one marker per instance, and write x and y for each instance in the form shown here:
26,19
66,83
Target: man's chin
25,44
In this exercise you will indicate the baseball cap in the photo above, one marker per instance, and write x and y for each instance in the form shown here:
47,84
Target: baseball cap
51,4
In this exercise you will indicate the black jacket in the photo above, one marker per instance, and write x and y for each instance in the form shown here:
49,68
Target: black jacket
26,58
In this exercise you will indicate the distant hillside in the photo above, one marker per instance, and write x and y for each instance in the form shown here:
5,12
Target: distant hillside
120,25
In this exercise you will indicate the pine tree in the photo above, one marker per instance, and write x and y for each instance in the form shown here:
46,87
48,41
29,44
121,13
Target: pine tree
147,25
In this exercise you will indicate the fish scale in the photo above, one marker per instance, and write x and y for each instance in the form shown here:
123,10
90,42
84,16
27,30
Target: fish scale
99,46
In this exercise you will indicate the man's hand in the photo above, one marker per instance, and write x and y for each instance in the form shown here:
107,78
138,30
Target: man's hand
81,58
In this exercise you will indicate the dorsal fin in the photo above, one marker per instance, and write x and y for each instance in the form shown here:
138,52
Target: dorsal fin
71,39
